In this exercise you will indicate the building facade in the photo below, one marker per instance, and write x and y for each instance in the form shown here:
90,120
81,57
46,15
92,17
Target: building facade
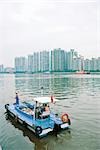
44,61
1,68
57,60
36,62
30,64
20,65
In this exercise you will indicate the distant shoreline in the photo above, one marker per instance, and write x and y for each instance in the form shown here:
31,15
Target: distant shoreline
68,72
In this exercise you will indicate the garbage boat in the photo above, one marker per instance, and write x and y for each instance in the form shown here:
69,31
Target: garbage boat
37,115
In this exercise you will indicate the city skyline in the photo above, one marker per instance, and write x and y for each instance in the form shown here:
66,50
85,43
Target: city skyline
56,60
40,52
28,26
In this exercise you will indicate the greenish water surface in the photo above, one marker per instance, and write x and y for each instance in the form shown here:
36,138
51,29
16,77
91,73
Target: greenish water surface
79,96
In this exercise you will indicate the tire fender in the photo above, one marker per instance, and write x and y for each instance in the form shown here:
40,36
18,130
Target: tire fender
38,130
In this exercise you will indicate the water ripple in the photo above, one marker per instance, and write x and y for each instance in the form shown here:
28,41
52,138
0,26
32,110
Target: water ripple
79,96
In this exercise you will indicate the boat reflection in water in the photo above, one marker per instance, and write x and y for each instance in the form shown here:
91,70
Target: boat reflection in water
40,143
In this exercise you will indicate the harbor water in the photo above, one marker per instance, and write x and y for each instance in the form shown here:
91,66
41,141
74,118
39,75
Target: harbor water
78,95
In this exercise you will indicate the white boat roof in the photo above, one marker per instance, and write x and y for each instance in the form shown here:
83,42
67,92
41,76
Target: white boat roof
44,100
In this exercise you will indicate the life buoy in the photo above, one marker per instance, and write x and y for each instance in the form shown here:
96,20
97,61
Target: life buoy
65,118
38,130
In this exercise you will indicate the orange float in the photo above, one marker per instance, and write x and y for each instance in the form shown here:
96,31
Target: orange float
64,118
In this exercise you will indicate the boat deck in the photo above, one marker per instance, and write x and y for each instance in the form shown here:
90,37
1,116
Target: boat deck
29,119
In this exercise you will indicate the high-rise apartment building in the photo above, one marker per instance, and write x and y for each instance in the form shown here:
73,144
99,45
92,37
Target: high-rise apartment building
57,62
71,59
44,61
93,64
98,64
30,63
87,65
66,61
20,64
1,68
36,62
77,64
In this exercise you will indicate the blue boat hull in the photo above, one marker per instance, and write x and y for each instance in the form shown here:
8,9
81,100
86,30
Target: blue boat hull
41,127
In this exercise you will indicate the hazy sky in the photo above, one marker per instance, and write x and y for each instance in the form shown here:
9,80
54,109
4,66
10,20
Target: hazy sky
33,25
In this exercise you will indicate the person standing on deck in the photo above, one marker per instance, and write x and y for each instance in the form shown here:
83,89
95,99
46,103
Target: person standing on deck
17,98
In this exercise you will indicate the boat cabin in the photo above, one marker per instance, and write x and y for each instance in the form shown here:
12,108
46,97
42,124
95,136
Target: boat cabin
42,108
38,108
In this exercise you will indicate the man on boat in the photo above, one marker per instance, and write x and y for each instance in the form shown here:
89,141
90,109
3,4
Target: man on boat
17,99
